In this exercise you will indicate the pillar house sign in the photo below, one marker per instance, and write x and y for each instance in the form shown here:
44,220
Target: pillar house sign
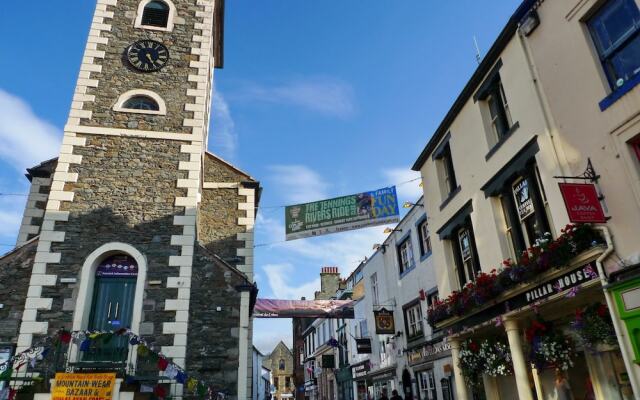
562,283
582,202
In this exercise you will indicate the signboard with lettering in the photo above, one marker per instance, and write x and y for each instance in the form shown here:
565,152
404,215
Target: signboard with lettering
83,386
363,346
564,282
428,352
385,324
360,370
582,202
361,210
522,197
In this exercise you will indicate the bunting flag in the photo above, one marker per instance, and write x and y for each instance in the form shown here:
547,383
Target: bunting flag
88,340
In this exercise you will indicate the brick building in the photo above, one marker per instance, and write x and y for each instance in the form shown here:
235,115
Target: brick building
134,186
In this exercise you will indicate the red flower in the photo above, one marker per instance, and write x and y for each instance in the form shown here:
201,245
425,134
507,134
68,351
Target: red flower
473,346
162,363
160,391
579,313
602,310
65,336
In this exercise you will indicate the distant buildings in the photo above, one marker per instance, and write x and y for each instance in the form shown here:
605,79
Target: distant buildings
280,363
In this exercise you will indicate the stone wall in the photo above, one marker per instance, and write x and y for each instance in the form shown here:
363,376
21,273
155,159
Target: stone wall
118,77
281,352
212,337
15,272
219,213
125,192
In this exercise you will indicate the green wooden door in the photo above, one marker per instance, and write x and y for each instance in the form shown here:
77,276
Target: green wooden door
112,309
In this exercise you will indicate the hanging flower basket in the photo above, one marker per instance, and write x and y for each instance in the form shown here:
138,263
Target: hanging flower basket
491,357
594,326
549,348
544,255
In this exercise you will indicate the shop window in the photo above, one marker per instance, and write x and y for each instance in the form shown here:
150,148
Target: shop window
413,321
374,289
427,385
425,239
635,147
405,255
465,253
524,205
615,29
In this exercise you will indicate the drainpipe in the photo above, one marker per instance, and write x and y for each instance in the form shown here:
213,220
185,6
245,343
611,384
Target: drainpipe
620,330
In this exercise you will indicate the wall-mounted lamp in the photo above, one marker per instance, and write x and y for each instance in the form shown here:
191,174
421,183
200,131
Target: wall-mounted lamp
421,184
389,230
408,204
529,23
378,246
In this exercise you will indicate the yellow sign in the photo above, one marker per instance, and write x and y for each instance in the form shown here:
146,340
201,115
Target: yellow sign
83,386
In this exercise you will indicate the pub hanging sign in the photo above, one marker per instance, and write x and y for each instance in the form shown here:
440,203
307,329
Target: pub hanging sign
385,324
582,202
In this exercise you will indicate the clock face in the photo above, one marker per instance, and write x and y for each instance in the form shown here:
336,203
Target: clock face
148,55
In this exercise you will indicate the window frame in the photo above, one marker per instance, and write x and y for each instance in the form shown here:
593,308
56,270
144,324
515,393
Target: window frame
170,19
374,289
605,56
464,274
413,319
124,97
406,258
518,232
424,238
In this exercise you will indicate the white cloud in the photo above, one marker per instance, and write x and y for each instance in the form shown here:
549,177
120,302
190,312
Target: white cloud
344,250
407,191
223,138
269,332
26,139
298,183
326,96
281,286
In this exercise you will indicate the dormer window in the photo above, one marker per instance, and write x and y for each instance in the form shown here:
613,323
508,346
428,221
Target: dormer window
141,103
156,13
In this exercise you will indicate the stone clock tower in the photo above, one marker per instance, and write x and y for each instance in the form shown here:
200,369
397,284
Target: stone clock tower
134,185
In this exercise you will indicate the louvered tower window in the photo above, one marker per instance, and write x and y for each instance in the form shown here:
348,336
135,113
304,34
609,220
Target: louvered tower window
156,13
141,103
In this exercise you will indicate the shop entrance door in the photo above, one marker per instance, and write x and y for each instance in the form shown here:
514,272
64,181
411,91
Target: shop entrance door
406,385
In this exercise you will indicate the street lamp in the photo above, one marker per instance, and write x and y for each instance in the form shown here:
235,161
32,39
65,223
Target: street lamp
389,230
408,204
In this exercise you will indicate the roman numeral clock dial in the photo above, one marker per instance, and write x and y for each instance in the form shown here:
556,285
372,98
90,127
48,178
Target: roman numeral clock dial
147,55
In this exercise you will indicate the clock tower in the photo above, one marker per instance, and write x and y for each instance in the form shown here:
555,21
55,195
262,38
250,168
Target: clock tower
134,189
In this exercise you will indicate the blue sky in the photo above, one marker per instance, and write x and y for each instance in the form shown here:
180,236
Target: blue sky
316,99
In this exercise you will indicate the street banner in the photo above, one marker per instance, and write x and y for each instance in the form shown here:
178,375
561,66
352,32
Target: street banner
83,386
385,325
361,210
582,202
270,308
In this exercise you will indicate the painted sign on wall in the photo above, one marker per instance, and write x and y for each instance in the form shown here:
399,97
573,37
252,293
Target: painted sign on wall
361,210
582,202
83,386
